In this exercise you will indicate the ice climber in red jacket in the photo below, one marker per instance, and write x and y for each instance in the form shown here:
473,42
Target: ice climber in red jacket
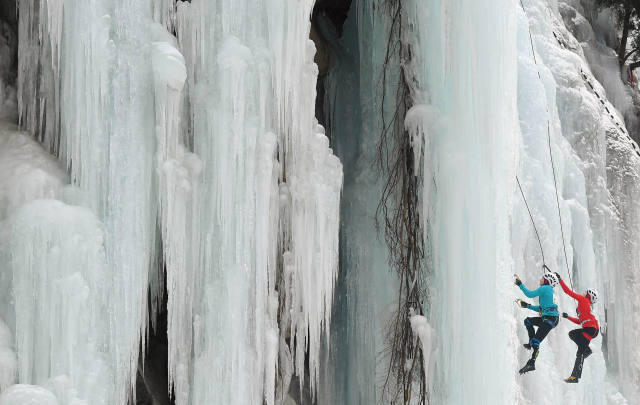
589,330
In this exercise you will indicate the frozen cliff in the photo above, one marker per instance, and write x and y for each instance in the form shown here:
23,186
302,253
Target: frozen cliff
299,201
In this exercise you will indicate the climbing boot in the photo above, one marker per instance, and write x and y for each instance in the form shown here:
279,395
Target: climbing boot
530,366
536,352
527,346
572,380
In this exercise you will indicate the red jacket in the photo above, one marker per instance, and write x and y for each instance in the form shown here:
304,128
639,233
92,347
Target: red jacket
585,317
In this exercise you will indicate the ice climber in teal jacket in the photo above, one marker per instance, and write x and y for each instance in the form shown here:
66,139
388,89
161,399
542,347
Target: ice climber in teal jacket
547,320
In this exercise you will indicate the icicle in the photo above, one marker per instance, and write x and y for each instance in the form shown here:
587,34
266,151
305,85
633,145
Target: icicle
106,141
39,35
427,336
54,24
164,12
85,86
61,289
28,173
417,123
177,174
264,80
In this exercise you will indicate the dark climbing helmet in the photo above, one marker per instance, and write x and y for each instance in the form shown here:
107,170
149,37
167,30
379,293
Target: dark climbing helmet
593,295
551,279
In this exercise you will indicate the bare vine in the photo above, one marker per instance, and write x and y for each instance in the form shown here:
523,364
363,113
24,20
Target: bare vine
399,212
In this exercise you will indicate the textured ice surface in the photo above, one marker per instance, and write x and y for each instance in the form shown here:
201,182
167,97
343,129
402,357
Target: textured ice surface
260,192
600,216
597,43
209,138
50,251
22,394
28,172
251,90
101,67
61,289
8,362
468,72
474,142
177,172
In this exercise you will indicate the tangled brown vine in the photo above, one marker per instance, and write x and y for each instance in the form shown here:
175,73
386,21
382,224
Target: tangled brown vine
399,212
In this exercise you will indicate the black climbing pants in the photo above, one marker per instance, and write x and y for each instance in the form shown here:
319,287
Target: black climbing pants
577,335
544,325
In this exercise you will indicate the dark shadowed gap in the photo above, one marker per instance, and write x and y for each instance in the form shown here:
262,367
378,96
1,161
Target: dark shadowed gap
152,381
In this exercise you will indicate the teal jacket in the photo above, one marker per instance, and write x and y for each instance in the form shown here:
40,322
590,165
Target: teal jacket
545,297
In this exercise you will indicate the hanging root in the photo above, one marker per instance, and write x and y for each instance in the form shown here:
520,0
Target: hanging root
399,211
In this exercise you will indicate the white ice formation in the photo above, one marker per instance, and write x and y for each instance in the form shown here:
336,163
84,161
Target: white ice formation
173,153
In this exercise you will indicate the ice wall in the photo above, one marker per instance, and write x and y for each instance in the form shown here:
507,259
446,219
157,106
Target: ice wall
199,154
597,31
268,220
560,110
618,238
81,303
107,143
210,166
542,129
466,64
600,213
561,117
28,174
38,84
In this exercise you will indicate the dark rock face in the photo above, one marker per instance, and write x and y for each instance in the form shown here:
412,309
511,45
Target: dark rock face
322,57
336,10
8,41
8,12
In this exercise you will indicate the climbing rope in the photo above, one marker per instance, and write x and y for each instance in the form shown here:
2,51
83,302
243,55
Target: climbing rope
532,221
555,184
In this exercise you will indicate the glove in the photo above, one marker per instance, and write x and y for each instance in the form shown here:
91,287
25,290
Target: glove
565,315
558,275
518,281
524,304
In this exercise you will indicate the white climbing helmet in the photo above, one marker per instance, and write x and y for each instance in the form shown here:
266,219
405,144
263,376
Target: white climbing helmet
593,295
551,278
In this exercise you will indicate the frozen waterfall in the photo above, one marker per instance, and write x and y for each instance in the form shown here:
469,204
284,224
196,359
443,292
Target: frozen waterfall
311,201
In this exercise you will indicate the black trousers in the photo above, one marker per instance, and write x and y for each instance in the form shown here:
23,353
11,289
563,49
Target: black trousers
544,325
577,335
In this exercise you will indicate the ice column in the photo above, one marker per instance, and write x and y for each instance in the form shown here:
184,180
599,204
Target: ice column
61,302
97,55
468,62
39,33
270,184
28,173
177,172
